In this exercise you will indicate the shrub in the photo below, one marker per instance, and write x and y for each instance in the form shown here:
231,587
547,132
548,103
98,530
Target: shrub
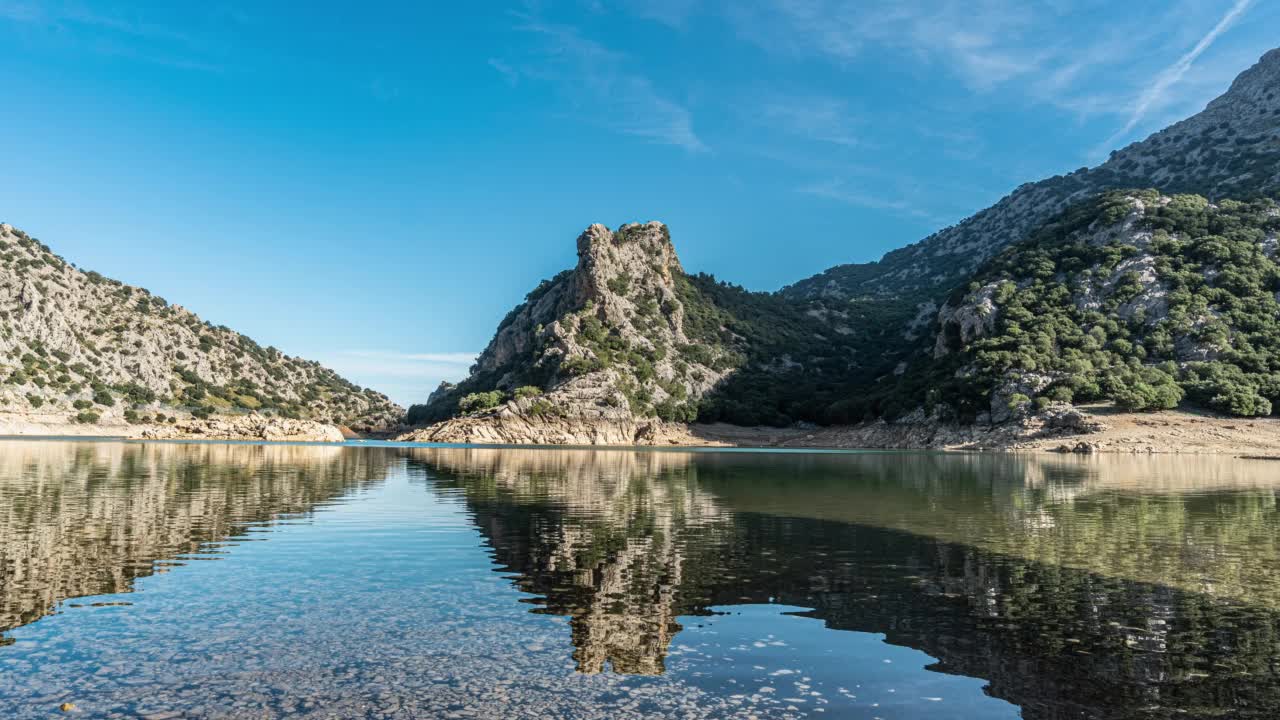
621,284
542,407
476,402
1241,401
86,418
527,391
580,366
104,398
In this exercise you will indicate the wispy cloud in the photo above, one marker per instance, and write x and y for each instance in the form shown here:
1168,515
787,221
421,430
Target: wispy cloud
839,191
406,377
672,13
604,86
979,41
820,119
1171,75
510,74
1135,66
128,35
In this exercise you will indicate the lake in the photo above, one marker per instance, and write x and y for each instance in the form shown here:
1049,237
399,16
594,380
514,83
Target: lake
166,580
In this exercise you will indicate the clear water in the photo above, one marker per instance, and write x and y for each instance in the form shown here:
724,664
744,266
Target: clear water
166,580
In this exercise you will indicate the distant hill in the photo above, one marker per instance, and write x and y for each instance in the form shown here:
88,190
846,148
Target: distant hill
77,345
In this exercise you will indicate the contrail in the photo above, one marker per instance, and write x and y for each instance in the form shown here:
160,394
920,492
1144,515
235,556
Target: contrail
1174,72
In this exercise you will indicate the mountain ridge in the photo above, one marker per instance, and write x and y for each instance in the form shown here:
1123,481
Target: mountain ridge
1250,105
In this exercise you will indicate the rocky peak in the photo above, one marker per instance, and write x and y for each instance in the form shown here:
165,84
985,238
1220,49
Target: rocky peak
604,340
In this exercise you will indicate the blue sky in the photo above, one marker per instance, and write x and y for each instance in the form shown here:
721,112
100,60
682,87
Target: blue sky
375,185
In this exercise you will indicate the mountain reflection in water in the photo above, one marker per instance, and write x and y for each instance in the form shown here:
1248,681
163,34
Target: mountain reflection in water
1125,587
83,518
1115,587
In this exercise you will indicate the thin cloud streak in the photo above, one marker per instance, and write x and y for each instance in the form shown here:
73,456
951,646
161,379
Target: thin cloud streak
406,377
820,119
837,190
633,105
1174,73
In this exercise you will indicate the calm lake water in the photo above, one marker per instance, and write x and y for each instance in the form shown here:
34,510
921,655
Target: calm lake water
169,580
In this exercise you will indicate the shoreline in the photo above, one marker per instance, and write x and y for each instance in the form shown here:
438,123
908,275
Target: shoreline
1088,429
1097,430
244,427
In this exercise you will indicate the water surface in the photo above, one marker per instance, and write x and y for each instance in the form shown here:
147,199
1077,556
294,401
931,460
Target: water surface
238,580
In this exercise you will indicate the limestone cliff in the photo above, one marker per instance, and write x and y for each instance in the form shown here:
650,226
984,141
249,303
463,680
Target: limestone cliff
597,355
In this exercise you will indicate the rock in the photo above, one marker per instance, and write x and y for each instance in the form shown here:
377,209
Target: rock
246,427
582,332
972,319
1080,448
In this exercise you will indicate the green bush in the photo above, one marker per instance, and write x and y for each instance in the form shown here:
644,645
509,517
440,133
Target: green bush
527,391
540,407
477,402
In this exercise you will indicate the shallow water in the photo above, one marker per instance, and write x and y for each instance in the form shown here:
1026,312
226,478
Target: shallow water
237,580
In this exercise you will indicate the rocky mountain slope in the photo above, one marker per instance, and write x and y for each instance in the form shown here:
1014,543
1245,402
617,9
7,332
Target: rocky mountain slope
1139,298
1230,149
76,346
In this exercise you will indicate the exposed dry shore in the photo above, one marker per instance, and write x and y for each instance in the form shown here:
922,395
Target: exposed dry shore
1171,432
243,427
1096,428
1091,429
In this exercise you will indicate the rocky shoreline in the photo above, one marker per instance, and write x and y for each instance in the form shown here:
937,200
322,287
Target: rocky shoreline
1080,430
241,427
1060,428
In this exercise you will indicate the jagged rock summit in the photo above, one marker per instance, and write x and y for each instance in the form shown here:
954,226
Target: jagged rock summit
596,355
77,347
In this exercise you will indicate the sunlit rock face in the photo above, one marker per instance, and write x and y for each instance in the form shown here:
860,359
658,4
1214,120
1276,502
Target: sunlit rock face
602,341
